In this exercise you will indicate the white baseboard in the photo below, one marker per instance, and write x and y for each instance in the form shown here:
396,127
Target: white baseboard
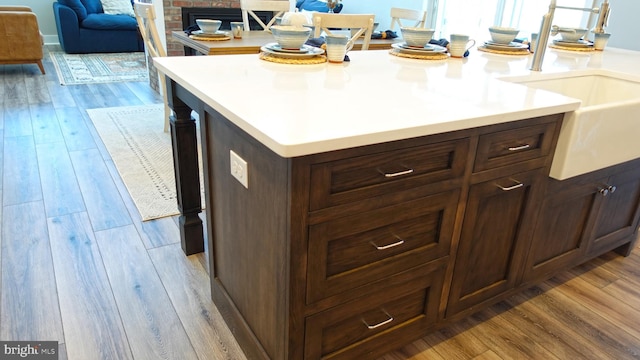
51,40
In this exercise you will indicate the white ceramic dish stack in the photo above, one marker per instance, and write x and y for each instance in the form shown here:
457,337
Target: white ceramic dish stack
208,26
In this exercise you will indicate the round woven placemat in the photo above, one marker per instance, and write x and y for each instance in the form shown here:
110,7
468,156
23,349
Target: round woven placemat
567,48
427,56
319,59
208,38
503,52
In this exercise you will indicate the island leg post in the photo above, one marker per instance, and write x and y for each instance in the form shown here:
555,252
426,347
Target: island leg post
187,173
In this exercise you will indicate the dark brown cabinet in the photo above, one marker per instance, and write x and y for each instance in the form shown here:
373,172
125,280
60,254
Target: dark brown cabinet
619,212
583,217
352,253
560,238
495,235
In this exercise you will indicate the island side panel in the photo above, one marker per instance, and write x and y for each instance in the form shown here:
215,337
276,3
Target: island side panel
249,275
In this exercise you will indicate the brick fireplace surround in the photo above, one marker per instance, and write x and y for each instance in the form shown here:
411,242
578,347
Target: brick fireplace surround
173,18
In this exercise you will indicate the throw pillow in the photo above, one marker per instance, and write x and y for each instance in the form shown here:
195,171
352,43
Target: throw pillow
117,7
92,6
77,6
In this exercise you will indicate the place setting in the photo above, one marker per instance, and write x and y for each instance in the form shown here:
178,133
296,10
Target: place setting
502,42
290,47
416,45
571,39
209,31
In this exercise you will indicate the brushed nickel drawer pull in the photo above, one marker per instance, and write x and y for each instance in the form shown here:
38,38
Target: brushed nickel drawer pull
385,247
371,327
517,148
399,173
513,187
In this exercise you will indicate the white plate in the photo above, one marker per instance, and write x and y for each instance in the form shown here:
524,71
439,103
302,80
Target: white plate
427,47
410,50
514,46
277,48
574,44
218,33
313,51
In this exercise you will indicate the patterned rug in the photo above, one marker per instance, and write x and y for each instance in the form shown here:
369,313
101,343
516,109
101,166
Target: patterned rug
141,151
74,69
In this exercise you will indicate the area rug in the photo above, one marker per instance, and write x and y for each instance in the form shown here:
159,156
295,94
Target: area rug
74,69
142,153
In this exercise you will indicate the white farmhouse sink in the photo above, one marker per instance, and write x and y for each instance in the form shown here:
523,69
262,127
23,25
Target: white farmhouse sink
604,130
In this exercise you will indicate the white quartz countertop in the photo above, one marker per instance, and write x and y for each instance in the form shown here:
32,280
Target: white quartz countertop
297,110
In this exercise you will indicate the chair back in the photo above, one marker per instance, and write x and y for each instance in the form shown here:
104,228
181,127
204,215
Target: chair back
398,14
146,17
362,22
277,7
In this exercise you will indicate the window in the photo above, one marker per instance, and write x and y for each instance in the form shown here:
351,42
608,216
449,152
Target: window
474,17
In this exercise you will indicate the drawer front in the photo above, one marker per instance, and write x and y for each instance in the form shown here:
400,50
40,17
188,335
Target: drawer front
512,146
353,330
360,249
342,181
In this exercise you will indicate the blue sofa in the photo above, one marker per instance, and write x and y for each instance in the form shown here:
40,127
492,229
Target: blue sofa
83,27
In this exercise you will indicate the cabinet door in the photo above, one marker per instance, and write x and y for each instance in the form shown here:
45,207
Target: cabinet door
495,235
618,217
561,234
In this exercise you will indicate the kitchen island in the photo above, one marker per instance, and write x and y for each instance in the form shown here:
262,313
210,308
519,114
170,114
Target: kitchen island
384,197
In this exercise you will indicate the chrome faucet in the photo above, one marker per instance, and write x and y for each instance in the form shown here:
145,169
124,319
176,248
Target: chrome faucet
547,29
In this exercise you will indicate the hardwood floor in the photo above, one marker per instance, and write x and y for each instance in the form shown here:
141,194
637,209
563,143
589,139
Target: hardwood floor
79,267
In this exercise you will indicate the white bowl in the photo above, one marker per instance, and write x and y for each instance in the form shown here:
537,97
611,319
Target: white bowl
415,36
208,26
572,34
291,37
502,35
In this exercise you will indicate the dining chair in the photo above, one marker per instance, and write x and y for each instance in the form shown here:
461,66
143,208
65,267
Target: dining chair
398,14
146,17
362,22
277,7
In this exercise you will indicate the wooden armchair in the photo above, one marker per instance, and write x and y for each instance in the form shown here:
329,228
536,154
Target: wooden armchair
20,38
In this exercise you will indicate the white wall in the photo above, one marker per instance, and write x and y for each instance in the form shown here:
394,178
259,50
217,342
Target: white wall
44,11
623,24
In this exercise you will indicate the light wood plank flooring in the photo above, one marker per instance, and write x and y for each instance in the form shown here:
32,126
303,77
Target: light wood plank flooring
79,267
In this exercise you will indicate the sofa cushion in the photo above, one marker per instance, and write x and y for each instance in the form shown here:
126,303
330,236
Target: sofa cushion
117,7
110,22
93,6
77,6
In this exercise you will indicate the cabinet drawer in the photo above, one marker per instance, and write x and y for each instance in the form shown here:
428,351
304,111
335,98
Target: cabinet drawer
512,146
360,249
361,328
341,181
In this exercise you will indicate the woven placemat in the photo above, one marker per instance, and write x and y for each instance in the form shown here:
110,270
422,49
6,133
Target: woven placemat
568,48
503,52
319,59
427,56
208,38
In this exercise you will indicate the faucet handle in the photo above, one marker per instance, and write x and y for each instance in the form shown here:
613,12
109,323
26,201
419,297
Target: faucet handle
554,30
